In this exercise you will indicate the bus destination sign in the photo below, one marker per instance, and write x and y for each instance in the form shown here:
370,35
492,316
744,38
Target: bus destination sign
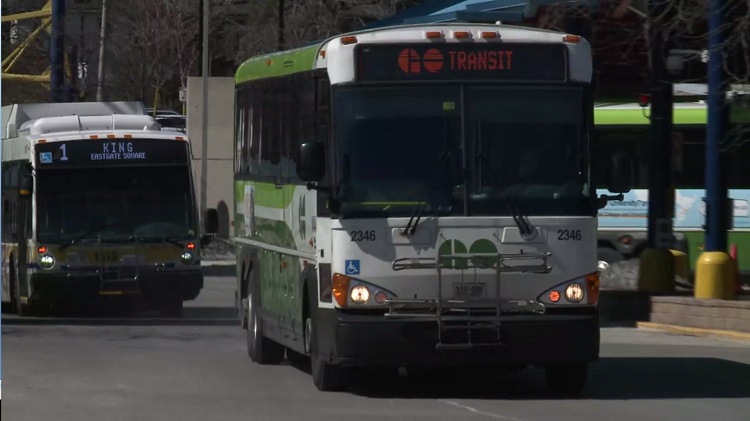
109,152
447,62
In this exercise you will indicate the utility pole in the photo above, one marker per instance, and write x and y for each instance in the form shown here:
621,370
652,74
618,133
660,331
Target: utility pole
715,275
57,51
204,80
102,43
657,272
281,25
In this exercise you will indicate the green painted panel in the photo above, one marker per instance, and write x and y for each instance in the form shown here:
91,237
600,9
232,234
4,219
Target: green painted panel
696,240
266,194
680,116
277,64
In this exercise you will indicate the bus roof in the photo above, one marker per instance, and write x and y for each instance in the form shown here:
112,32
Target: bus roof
16,115
309,57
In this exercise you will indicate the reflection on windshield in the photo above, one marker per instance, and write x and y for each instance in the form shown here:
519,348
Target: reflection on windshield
114,203
398,146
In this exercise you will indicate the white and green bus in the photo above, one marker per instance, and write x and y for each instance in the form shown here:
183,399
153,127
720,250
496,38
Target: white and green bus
625,128
421,195
97,202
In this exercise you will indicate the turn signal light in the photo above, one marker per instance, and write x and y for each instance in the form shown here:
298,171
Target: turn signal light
190,246
554,296
592,285
341,288
42,249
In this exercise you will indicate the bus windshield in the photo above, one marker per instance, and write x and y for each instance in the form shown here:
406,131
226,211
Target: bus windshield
520,146
116,203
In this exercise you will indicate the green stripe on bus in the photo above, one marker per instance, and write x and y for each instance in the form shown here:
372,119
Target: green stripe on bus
266,194
680,116
696,240
277,64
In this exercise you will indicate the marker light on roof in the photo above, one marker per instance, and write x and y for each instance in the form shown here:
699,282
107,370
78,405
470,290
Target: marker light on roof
349,40
489,35
461,34
572,38
433,34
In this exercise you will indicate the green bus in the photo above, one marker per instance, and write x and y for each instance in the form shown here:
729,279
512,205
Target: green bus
623,225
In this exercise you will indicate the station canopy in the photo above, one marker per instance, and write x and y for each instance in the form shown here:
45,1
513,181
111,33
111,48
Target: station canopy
474,11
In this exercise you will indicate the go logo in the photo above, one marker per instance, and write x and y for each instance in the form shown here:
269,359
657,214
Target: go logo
454,247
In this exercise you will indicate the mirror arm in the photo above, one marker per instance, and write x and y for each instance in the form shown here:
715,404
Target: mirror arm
605,198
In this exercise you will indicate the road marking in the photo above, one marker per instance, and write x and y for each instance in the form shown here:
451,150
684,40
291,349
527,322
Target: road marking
683,330
476,411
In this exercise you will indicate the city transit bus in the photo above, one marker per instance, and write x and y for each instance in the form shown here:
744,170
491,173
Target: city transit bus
97,201
420,195
623,225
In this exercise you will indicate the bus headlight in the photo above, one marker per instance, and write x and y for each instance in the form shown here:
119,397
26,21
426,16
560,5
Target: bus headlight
47,261
574,293
360,294
187,257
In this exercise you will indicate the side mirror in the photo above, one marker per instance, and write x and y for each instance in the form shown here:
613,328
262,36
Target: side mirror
312,162
622,174
26,187
211,221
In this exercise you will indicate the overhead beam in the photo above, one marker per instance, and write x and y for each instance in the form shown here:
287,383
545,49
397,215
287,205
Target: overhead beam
44,13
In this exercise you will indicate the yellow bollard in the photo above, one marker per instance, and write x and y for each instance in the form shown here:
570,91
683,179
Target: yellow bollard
681,264
715,276
656,271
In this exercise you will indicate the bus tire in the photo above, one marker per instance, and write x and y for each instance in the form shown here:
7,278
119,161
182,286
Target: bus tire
22,310
567,380
260,349
326,377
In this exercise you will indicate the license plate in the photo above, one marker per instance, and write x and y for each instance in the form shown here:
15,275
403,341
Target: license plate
472,290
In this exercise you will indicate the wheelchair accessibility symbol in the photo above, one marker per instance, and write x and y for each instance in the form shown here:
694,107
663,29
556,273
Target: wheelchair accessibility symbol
45,157
352,267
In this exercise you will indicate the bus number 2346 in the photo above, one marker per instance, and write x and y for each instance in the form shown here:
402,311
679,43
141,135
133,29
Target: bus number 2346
569,235
359,236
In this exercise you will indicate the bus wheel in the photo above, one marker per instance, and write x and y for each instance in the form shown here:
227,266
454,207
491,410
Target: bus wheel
327,377
20,308
171,308
606,257
567,380
260,349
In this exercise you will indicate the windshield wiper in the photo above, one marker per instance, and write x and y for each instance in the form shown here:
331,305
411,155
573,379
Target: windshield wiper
418,211
518,218
93,231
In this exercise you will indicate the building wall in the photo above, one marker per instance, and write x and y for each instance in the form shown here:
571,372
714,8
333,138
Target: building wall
220,171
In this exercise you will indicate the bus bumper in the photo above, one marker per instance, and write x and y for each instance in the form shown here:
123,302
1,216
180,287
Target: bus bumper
524,340
185,285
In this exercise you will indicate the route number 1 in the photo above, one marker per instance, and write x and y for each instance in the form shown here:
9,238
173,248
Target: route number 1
64,156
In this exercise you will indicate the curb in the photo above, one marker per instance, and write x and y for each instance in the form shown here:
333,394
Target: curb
694,331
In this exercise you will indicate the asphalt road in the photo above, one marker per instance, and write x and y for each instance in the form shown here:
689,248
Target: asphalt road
136,366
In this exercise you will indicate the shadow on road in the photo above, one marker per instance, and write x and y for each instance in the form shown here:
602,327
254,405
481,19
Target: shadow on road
117,313
609,379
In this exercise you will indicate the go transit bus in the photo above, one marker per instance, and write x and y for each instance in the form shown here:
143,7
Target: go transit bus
625,128
420,195
97,201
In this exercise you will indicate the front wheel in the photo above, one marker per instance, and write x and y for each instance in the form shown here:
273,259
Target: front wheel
567,380
326,377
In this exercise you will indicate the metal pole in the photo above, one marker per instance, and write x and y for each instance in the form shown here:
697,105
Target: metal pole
281,25
656,267
661,208
57,51
102,38
204,79
716,190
